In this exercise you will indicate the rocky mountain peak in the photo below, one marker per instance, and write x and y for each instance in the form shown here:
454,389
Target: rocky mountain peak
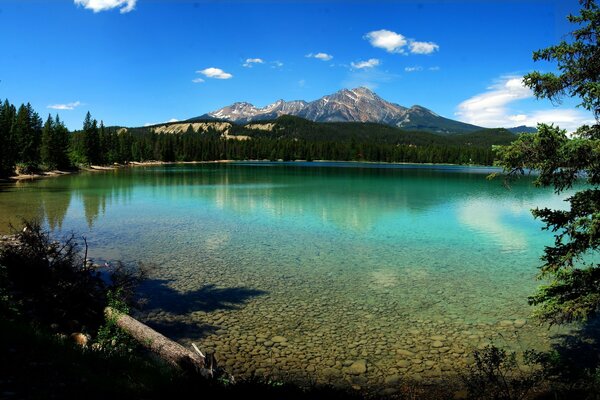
346,105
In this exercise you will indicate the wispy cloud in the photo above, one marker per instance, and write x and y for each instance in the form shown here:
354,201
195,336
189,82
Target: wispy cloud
276,64
492,108
124,6
198,80
394,42
416,68
370,63
250,61
320,56
368,77
67,106
436,68
215,73
423,47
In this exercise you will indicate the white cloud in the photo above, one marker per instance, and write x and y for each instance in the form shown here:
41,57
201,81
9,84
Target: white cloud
491,109
198,80
250,61
370,63
569,119
423,47
124,6
215,73
277,64
320,56
392,42
173,120
416,68
68,106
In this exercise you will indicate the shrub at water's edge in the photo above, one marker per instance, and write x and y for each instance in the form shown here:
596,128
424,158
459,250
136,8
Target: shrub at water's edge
54,340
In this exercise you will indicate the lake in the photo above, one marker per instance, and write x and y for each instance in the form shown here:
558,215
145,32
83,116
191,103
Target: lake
346,273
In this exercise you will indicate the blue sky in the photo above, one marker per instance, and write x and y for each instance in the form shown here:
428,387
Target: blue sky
134,62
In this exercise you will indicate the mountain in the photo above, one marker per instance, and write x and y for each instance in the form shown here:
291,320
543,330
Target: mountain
522,129
347,105
243,112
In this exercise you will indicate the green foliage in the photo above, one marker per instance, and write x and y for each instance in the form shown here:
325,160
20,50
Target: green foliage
8,147
27,130
295,138
292,139
85,144
110,338
572,279
50,281
55,143
578,63
497,374
27,145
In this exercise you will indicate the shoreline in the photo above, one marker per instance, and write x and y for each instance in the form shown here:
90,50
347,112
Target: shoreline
101,168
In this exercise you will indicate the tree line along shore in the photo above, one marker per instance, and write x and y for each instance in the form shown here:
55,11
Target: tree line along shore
29,145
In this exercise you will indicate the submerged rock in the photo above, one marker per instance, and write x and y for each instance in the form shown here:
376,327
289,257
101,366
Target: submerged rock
357,368
519,323
392,380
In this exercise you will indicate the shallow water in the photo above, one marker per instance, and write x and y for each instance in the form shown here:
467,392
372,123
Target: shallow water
303,269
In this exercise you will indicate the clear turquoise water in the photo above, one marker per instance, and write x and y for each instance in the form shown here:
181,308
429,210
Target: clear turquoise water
407,267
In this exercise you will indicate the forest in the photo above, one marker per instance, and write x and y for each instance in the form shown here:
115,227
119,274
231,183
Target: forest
28,144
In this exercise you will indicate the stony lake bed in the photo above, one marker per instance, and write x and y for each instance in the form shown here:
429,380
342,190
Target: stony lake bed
356,275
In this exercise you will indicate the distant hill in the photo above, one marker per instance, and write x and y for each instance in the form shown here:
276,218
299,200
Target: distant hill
347,105
522,129
291,127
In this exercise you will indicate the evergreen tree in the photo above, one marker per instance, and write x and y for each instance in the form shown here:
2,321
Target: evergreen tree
7,142
61,144
55,143
570,265
91,139
27,132
85,145
47,150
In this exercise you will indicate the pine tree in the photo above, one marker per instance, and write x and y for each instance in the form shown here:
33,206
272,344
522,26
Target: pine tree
92,143
7,143
61,144
47,149
27,132
85,145
55,143
569,266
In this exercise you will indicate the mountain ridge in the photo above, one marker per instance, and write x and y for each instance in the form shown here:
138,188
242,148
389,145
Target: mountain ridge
346,105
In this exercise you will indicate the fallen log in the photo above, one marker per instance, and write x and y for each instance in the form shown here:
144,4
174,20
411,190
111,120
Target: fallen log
170,351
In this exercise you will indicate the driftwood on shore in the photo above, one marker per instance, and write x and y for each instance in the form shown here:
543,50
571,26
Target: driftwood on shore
170,351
